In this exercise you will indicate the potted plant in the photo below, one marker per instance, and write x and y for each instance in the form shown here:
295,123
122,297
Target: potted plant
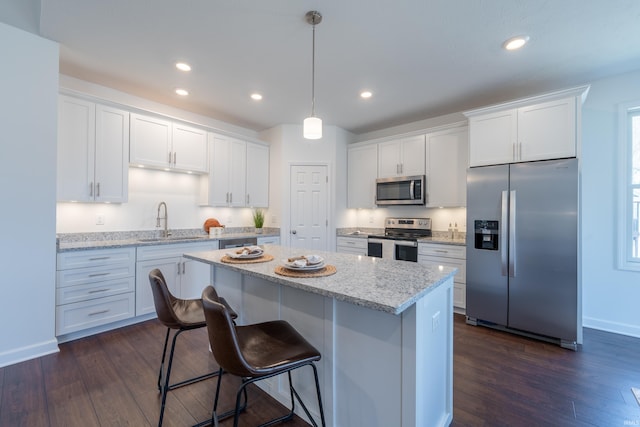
258,220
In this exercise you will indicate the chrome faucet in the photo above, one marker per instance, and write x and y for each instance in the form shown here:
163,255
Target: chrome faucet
166,219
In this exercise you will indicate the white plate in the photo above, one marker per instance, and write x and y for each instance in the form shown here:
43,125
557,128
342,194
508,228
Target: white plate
313,267
248,256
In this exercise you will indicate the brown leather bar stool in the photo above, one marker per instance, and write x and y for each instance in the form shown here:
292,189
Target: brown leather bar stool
180,314
257,352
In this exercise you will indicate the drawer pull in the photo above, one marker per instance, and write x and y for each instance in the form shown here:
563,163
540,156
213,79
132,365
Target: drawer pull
95,291
99,258
95,313
98,274
442,251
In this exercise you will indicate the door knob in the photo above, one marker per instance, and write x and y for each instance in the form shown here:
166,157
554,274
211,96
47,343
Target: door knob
294,232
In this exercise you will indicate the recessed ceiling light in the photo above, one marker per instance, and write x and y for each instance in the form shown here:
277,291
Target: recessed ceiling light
183,66
182,92
366,94
515,43
256,96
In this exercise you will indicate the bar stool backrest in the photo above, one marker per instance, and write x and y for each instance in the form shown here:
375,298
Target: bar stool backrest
223,337
163,300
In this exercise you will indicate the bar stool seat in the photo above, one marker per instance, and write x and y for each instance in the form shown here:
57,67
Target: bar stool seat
181,315
256,352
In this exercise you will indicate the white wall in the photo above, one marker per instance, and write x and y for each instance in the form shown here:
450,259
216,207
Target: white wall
289,147
610,296
28,107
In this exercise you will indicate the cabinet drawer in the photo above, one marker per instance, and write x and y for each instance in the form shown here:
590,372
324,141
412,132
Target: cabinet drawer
174,250
460,264
448,251
346,242
81,276
88,314
95,257
72,294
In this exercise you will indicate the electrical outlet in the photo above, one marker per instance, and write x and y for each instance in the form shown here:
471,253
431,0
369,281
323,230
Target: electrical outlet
371,219
100,219
435,321
274,219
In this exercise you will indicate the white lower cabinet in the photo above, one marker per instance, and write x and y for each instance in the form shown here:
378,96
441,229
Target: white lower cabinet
185,278
269,240
352,245
450,256
93,288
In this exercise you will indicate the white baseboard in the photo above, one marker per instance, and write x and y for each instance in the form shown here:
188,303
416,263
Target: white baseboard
21,354
614,327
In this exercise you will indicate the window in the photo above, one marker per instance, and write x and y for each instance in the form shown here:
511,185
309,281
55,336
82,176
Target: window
629,224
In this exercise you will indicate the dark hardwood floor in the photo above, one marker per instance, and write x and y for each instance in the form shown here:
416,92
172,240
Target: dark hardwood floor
499,380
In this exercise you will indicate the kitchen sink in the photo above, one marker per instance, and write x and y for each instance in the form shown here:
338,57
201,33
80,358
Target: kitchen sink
171,238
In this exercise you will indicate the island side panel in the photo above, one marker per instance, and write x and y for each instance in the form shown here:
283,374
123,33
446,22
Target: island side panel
428,359
368,367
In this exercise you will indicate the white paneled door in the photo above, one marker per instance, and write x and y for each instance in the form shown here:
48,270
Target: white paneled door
309,207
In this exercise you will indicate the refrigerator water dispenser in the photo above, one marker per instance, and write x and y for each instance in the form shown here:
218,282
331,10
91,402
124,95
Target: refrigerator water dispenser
486,234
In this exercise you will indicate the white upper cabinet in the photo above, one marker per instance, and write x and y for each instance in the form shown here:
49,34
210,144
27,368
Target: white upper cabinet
164,144
93,147
547,130
493,138
447,162
257,176
189,148
238,176
362,172
537,128
401,157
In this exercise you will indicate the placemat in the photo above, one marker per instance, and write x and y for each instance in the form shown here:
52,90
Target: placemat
263,258
327,270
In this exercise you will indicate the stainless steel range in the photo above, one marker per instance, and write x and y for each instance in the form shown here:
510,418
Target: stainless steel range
400,238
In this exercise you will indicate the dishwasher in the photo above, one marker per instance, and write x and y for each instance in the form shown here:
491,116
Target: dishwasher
238,243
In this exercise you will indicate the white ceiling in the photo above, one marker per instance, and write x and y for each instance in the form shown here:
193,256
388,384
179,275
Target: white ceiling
421,58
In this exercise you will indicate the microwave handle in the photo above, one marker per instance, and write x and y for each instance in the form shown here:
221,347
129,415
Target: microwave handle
412,189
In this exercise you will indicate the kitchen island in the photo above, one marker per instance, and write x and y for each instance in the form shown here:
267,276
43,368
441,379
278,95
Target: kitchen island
384,328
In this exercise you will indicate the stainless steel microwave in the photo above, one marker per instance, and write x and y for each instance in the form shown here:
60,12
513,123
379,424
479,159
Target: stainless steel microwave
400,190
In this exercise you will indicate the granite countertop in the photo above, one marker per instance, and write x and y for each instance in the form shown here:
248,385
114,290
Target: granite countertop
384,285
440,237
85,241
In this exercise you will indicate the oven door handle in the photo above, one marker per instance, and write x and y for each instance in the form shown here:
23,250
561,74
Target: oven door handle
406,243
381,241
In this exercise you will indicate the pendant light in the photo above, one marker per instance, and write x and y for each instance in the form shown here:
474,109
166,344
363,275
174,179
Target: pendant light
312,127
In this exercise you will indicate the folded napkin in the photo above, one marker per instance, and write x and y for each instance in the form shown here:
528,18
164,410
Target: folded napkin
242,252
305,260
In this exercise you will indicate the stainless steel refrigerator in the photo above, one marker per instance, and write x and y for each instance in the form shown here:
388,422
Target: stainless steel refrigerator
522,249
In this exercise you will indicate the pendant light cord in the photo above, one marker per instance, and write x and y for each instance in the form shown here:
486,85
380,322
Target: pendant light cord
313,71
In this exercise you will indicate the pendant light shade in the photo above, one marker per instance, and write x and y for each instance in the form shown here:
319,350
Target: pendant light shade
312,126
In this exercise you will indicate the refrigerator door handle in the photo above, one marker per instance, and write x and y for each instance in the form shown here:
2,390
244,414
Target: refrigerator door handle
503,232
512,234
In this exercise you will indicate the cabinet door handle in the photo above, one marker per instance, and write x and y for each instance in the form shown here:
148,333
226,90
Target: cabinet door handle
91,189
520,151
248,199
175,158
95,313
230,197
513,151
99,258
98,274
184,267
98,189
169,161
